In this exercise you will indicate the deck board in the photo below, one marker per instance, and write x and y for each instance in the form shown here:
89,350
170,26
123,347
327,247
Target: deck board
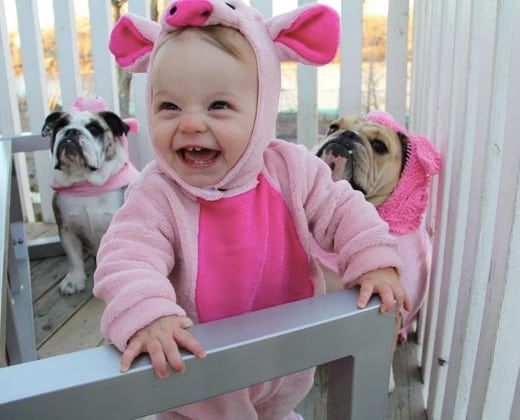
80,332
52,310
71,323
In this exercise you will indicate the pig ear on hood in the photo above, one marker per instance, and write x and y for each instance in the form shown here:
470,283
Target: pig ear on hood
132,40
309,34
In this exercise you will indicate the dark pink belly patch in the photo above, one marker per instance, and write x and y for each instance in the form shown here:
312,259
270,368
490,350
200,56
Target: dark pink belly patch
250,256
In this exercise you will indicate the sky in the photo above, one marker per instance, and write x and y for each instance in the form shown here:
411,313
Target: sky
45,8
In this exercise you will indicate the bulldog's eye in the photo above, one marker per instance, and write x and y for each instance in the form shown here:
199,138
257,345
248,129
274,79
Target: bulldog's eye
332,128
379,147
230,5
95,129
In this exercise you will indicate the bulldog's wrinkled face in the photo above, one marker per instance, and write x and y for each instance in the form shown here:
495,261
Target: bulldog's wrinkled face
81,142
368,155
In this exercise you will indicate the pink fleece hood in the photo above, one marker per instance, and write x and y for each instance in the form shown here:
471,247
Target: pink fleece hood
405,206
309,34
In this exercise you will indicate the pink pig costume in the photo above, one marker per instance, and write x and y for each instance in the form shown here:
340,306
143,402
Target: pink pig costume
244,244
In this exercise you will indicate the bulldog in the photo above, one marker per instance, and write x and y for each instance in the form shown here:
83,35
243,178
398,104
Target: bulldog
392,168
91,171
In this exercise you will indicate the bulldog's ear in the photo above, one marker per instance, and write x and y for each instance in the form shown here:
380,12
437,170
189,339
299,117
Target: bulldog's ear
428,155
49,123
132,40
309,34
116,124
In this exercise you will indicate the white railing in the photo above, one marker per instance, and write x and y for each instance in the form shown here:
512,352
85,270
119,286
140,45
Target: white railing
466,96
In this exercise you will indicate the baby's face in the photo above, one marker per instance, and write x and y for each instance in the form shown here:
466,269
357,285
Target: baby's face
203,108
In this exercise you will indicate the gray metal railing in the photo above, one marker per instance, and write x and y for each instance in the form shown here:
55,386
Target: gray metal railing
241,351
5,191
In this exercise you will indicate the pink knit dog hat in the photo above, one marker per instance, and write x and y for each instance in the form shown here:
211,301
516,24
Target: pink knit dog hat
405,206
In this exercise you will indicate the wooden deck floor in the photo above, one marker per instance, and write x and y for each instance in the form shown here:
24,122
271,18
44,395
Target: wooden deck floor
69,323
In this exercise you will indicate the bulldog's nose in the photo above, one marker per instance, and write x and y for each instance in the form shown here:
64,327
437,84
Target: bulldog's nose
350,139
189,13
72,133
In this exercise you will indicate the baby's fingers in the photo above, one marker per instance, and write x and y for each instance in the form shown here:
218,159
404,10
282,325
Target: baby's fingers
134,349
173,355
387,297
156,353
367,288
186,340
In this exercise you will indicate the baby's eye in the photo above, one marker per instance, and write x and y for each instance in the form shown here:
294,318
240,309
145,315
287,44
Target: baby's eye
220,105
168,106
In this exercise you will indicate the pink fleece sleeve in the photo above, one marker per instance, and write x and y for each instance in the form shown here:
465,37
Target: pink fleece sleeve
133,263
342,221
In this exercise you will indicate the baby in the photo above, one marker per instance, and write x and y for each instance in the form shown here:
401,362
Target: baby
220,223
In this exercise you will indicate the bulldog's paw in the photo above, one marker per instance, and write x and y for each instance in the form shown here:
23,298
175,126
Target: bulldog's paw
72,283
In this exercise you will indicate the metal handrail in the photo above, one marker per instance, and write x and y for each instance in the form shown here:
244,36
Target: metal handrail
241,351
5,192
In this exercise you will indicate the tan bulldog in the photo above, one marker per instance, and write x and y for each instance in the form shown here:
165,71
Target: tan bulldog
369,155
392,167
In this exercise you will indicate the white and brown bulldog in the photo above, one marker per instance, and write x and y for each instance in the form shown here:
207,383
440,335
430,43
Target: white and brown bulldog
392,168
91,173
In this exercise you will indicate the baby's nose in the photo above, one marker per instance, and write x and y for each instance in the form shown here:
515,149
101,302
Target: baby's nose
192,123
189,13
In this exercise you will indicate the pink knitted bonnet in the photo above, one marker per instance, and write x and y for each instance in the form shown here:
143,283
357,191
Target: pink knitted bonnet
404,208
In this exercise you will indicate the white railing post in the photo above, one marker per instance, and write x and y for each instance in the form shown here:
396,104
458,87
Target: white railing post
489,206
67,51
397,60
351,47
104,69
307,109
500,396
10,116
36,93
139,145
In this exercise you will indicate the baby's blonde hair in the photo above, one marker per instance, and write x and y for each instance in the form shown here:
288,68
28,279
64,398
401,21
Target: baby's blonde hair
222,37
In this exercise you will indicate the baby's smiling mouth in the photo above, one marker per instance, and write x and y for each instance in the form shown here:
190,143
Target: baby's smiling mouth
198,156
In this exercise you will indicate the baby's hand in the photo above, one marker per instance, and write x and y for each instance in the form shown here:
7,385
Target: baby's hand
384,282
161,340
